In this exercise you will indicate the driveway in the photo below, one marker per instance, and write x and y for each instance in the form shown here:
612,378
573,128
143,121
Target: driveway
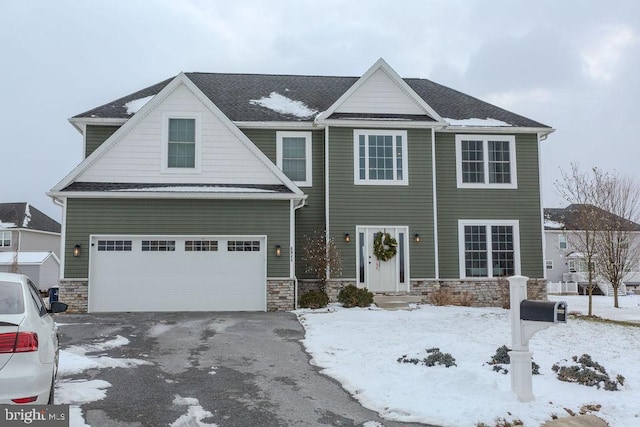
246,369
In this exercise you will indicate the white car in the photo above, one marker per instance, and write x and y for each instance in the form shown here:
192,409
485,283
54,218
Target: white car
28,343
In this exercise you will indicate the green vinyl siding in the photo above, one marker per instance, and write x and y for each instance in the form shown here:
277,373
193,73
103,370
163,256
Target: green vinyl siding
309,218
521,204
379,205
179,217
95,136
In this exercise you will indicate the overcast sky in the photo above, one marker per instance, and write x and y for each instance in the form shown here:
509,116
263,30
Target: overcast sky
574,65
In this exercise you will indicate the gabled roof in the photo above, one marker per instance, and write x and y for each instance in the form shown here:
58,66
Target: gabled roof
238,96
25,216
569,218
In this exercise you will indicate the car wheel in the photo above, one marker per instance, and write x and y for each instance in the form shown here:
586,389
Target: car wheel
52,391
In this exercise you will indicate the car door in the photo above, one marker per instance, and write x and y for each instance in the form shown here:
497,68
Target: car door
44,326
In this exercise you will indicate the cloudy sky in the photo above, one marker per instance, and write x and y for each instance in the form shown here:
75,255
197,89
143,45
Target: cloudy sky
571,64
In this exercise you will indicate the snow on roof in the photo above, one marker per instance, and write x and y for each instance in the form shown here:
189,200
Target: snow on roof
7,225
488,122
135,105
553,224
24,257
196,189
282,104
27,216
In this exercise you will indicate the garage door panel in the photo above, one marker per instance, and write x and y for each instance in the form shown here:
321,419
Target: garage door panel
178,274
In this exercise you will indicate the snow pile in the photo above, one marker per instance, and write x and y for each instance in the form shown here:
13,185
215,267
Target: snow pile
135,105
488,122
555,225
360,347
27,217
195,413
282,104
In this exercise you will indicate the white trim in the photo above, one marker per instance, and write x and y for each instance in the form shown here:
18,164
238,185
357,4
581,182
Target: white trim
295,126
174,195
488,223
377,123
326,185
498,129
357,133
381,64
400,287
164,166
543,237
10,231
63,237
436,242
31,230
280,135
511,139
546,264
562,238
292,239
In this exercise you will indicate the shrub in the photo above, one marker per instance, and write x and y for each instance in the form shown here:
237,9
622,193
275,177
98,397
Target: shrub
588,372
434,356
351,296
465,299
441,296
502,358
314,299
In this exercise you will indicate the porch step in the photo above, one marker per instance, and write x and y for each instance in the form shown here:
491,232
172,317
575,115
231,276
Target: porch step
395,302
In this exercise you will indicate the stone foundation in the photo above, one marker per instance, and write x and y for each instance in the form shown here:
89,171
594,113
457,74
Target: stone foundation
74,293
477,293
280,295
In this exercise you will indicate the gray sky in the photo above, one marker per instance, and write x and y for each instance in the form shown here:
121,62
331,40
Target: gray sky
571,64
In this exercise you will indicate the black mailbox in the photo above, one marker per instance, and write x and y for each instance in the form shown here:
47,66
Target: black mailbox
544,311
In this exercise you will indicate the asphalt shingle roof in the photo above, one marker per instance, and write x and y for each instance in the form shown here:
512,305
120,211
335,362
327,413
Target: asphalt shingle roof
232,93
24,215
569,217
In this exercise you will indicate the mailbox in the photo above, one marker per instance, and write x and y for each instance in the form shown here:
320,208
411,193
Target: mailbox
544,311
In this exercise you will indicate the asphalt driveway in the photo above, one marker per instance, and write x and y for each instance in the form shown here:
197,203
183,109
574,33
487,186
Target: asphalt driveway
246,369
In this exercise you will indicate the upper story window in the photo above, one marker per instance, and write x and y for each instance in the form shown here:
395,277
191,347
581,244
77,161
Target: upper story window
489,248
562,241
486,161
293,156
380,157
181,151
5,239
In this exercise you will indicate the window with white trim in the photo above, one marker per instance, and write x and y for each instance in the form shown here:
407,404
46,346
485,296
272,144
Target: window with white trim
549,264
181,142
562,241
293,156
5,239
380,157
489,248
486,161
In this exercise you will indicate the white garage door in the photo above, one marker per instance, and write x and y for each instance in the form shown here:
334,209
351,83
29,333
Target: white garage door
169,273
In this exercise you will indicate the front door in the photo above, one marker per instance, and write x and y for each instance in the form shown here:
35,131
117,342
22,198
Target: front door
378,275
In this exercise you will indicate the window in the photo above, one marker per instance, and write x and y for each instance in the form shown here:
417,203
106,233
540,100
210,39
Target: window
486,161
549,264
293,156
181,150
201,246
489,248
5,239
562,241
114,245
380,157
243,246
158,246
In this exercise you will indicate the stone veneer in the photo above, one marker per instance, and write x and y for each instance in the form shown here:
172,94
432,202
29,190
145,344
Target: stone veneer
74,293
484,293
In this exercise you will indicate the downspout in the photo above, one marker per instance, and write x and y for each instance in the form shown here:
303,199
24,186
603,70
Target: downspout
326,190
435,203
292,246
543,241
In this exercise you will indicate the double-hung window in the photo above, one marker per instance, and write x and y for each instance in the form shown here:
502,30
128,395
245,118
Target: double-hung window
293,156
380,157
486,161
489,248
5,239
181,143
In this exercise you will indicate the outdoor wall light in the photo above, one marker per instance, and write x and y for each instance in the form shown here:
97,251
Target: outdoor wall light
76,250
278,250
347,238
416,237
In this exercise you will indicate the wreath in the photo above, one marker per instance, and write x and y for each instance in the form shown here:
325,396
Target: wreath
384,246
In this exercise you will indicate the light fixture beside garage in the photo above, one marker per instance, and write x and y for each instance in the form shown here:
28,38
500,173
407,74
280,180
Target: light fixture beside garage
278,250
416,237
76,250
347,237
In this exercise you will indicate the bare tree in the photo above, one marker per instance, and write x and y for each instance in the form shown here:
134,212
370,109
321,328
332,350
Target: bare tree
321,256
618,244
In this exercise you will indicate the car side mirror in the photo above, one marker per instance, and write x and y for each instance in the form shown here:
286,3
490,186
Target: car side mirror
57,307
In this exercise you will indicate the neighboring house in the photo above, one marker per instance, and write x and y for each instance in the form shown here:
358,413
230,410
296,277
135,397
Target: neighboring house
197,193
28,238
564,261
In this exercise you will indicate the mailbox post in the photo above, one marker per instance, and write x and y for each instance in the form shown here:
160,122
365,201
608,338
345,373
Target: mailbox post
527,318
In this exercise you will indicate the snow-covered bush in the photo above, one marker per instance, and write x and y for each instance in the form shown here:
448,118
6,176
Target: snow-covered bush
588,372
434,356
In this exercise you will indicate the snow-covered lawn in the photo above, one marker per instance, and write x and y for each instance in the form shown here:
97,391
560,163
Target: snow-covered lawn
360,348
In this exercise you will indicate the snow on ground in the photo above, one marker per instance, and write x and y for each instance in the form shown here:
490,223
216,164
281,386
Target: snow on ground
75,360
195,413
360,348
282,104
629,306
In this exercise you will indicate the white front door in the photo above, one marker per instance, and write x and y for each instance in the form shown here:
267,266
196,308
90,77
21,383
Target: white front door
378,275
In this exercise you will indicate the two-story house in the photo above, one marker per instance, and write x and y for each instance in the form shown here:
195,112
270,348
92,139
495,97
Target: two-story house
197,193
